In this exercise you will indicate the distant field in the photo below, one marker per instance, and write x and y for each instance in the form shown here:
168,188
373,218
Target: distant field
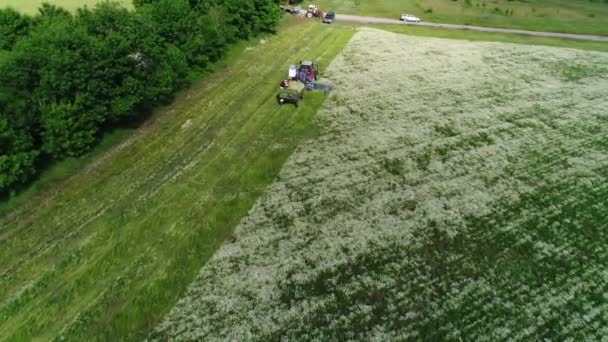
458,191
31,6
106,253
574,16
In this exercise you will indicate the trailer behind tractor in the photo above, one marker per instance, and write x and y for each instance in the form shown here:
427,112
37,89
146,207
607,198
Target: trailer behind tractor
293,93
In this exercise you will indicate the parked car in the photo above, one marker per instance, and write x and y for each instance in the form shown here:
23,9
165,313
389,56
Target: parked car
329,17
410,18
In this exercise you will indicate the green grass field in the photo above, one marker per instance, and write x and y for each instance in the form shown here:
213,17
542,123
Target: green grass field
105,254
574,16
31,6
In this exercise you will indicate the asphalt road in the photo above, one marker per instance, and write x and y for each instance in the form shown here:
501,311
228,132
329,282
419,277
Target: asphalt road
373,20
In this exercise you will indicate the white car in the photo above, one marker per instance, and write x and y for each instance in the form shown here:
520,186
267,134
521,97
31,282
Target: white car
410,18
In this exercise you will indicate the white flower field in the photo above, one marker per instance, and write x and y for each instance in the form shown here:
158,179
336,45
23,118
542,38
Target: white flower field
457,190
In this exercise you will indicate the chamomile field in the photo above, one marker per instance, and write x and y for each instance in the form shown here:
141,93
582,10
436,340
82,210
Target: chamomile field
457,191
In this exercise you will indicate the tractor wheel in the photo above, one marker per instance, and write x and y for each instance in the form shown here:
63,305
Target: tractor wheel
309,15
297,103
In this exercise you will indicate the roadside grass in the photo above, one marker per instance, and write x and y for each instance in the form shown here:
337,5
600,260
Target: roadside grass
579,16
31,6
490,37
106,253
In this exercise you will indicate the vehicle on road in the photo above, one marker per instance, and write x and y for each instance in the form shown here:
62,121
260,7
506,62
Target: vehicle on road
329,17
410,18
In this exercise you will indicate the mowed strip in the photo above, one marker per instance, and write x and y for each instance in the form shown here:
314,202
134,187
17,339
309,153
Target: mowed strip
108,253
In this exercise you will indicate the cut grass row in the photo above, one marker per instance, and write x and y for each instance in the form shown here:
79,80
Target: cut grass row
105,255
578,16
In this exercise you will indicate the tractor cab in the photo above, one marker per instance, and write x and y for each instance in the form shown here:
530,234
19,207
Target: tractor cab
308,71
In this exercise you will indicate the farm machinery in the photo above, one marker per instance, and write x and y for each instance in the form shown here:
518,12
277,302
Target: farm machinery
314,11
300,77
310,12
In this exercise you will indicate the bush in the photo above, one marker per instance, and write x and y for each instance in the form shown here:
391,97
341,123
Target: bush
17,156
12,26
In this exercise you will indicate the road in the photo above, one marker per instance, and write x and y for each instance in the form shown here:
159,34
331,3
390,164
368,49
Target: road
374,20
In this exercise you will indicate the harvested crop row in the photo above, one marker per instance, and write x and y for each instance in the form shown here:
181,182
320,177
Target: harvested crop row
458,191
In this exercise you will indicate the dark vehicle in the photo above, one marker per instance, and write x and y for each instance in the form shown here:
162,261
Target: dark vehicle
292,92
329,17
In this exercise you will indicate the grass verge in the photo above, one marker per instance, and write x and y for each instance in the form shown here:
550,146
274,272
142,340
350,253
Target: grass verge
487,36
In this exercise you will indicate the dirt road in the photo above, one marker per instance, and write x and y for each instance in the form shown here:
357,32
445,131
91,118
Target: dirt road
373,20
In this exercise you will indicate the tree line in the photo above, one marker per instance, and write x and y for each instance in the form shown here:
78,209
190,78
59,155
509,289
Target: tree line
66,77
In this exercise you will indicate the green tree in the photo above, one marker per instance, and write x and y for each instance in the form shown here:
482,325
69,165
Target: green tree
177,24
17,156
55,64
67,129
13,25
47,11
245,18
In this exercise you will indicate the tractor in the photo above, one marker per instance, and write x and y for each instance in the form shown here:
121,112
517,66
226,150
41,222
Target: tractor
300,78
314,11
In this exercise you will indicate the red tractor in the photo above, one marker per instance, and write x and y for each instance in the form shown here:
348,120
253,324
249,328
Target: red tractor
314,11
